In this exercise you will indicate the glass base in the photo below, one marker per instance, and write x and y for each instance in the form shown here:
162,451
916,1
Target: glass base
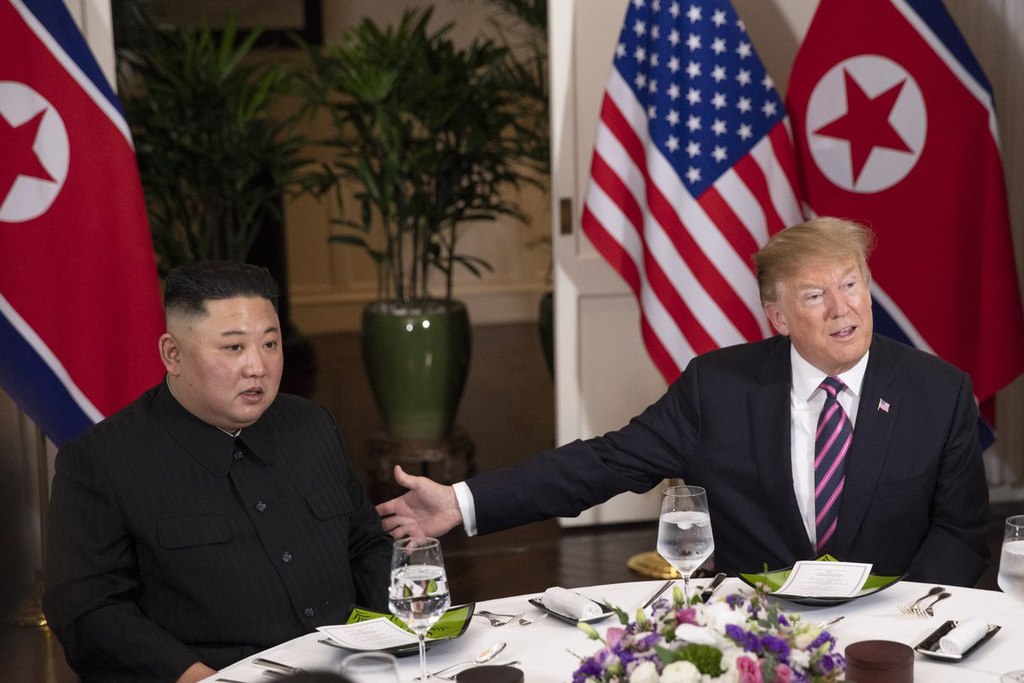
1013,676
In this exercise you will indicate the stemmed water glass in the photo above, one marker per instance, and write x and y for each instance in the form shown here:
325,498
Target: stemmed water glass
684,531
419,588
1011,572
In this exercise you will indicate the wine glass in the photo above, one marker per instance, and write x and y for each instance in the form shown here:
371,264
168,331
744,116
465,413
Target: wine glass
684,531
419,588
370,667
1011,572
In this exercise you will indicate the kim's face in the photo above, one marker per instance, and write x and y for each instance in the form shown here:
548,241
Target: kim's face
225,367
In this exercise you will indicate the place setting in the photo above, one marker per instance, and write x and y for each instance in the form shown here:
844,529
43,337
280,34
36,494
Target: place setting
876,639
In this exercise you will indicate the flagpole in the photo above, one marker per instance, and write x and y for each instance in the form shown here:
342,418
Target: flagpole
30,612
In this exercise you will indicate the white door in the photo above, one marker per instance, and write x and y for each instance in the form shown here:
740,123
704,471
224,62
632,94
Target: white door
603,374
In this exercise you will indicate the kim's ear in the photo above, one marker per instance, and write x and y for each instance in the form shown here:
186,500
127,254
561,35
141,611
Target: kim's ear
777,318
170,354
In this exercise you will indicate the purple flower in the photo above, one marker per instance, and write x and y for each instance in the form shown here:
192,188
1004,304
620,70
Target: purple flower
775,645
823,637
588,667
748,641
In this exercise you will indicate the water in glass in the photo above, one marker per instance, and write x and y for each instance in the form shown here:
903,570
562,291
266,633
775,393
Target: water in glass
1011,561
419,588
684,530
1011,573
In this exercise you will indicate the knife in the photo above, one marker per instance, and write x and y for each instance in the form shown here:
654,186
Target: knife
706,594
276,666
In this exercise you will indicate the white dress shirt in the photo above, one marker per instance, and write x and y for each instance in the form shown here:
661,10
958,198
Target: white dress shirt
806,400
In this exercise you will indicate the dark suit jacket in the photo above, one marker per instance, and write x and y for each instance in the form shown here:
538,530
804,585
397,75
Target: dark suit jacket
163,549
915,498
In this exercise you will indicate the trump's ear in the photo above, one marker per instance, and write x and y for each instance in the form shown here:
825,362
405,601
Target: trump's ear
170,354
777,318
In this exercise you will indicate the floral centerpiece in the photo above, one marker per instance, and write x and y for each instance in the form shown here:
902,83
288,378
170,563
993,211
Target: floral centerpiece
739,639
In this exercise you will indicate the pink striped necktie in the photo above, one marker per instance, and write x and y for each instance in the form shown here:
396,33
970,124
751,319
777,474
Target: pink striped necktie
831,444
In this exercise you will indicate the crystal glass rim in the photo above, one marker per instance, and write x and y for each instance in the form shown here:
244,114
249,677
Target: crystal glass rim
416,543
371,662
1015,521
684,490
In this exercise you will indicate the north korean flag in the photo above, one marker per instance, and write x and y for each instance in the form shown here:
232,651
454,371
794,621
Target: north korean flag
894,126
80,310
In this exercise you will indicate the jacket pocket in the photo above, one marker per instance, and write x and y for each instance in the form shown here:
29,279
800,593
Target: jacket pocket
192,530
329,503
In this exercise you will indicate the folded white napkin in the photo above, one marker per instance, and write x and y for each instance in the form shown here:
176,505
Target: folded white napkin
961,638
570,603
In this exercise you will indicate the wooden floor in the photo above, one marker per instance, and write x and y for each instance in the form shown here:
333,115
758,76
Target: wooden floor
508,410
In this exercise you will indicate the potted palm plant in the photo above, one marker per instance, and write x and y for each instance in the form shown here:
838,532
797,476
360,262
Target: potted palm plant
422,142
217,152
215,157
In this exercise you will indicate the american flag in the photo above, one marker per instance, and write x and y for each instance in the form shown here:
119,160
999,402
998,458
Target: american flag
693,170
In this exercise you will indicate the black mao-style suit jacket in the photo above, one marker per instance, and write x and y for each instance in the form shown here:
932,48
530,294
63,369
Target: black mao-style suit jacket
915,499
164,548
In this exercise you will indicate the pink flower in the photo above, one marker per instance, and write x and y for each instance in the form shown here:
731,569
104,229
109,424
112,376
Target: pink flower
686,615
783,674
613,635
749,670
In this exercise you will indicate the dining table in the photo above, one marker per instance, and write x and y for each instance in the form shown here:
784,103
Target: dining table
548,650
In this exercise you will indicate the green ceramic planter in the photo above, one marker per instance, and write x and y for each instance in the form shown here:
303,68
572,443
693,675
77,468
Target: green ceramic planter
417,357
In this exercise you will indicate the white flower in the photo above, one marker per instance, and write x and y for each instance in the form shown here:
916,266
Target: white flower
718,615
646,672
804,637
691,633
799,659
680,672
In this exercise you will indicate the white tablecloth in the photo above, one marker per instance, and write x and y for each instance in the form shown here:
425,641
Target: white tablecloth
547,650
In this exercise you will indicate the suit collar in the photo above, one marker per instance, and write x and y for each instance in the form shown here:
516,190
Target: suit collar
769,403
209,446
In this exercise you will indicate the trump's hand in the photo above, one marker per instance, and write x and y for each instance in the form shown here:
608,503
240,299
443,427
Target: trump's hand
426,509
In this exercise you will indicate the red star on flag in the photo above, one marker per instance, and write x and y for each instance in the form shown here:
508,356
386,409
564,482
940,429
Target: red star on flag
17,142
866,123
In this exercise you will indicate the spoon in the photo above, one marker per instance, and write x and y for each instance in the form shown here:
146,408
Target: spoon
485,656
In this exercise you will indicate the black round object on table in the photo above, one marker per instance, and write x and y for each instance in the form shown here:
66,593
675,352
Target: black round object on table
490,674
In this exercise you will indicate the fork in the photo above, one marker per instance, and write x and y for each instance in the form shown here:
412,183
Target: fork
912,607
928,611
523,621
498,619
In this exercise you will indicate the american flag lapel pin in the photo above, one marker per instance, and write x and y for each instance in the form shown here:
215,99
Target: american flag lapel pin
883,405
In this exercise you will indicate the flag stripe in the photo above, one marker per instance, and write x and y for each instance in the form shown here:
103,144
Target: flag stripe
36,379
692,171
50,27
80,298
947,103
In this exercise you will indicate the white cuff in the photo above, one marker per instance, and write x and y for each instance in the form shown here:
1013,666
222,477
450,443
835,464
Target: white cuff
465,499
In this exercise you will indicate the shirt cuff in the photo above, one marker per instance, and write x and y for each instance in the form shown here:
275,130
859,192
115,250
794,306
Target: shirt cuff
465,499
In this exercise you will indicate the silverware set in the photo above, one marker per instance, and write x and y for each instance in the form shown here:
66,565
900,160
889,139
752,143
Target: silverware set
924,605
497,619
705,594
485,656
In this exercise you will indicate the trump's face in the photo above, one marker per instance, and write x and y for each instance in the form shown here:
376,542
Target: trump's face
225,367
825,310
